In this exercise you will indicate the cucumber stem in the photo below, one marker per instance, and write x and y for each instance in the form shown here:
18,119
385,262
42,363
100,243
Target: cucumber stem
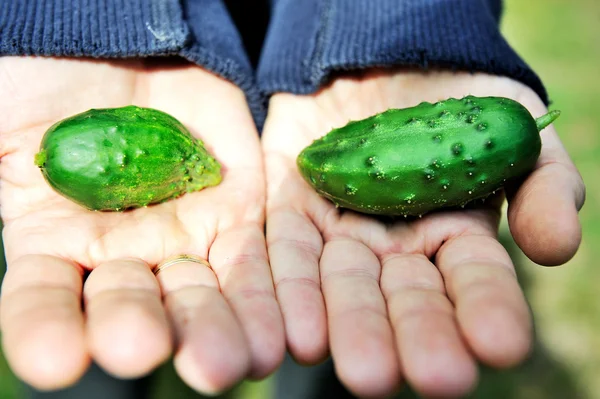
543,121
40,158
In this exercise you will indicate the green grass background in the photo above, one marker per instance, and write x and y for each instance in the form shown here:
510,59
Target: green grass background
560,39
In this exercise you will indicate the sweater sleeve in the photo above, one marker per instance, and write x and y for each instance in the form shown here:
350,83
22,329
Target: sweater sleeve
199,30
309,39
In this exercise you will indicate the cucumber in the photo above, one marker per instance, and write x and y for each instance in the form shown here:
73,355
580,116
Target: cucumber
415,160
114,159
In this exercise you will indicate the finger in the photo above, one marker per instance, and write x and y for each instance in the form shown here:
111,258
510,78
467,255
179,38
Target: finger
239,258
212,354
295,246
42,323
433,356
543,212
361,338
490,306
128,331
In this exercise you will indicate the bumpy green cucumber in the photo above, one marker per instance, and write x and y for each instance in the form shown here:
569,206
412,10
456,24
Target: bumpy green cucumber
415,160
113,159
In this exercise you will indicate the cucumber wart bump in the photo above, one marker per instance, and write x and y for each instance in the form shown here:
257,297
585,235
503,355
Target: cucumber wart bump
113,159
415,160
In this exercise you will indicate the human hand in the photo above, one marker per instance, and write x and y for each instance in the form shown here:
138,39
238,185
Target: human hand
424,300
221,326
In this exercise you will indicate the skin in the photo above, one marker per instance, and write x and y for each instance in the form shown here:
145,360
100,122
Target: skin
418,302
79,285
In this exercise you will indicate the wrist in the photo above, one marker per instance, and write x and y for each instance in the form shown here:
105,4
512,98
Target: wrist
350,35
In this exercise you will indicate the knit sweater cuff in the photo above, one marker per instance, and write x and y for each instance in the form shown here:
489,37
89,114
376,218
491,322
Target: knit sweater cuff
79,27
310,39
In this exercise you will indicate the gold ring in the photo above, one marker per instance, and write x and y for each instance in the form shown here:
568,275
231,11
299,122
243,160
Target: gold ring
173,260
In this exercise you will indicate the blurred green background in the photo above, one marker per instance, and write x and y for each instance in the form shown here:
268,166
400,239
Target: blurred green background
560,39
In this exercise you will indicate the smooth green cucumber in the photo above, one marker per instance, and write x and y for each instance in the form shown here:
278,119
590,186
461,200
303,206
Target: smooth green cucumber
414,160
113,159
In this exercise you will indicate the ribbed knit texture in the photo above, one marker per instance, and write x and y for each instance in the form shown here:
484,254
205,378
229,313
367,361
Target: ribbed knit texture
309,39
100,28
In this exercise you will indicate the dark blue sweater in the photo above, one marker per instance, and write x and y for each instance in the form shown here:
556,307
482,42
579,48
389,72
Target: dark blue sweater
305,42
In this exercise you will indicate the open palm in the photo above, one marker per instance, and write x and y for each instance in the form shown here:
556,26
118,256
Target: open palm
224,323
422,300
